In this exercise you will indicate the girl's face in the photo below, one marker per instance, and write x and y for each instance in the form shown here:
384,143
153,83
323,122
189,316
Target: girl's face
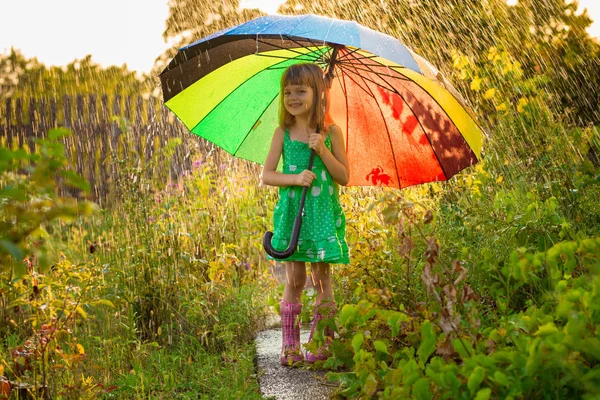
298,99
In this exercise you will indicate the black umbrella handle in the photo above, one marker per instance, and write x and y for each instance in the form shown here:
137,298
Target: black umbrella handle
281,255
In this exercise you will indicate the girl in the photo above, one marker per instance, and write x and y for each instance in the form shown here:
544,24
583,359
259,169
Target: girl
322,237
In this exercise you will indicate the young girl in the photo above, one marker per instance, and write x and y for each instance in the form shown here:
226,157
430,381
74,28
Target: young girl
322,237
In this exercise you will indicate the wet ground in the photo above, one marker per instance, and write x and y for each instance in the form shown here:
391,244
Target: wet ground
283,383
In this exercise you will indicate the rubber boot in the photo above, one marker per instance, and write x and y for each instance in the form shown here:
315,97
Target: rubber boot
290,329
322,353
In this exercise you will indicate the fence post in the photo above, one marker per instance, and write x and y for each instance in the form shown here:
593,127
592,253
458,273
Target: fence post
151,111
32,129
89,140
19,116
43,118
135,139
67,120
92,111
128,108
9,129
112,148
104,117
53,113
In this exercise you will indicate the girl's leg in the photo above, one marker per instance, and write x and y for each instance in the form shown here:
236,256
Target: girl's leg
295,279
324,306
320,275
291,307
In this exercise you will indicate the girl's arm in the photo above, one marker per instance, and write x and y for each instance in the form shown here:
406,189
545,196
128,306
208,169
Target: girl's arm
335,160
270,176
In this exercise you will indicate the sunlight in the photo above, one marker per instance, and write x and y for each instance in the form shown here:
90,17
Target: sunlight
266,6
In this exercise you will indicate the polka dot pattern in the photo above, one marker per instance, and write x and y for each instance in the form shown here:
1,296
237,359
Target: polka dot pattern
323,232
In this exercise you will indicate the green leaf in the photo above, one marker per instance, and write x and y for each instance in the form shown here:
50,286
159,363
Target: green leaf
427,341
349,312
357,341
591,346
475,379
394,321
484,394
106,302
19,270
380,347
58,133
12,249
421,389
546,329
76,180
370,386
500,378
81,312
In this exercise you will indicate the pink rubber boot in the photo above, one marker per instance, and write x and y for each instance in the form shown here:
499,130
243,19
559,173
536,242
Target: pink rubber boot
321,355
290,328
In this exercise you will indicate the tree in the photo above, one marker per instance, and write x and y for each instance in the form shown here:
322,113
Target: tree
191,20
28,78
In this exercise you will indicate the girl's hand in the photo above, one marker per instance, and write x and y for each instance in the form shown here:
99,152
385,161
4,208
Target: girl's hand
317,143
305,178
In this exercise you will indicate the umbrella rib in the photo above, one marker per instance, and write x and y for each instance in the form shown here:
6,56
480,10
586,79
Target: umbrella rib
346,54
357,84
362,57
280,48
300,55
387,130
253,125
445,113
378,73
381,75
376,64
347,112
421,125
372,81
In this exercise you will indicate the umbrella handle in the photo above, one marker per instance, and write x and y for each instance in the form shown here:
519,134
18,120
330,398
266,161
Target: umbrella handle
295,230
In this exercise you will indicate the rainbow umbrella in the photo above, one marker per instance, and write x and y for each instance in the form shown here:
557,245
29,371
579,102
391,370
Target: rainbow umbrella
403,123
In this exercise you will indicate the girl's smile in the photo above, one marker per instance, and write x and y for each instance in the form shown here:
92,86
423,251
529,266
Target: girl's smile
298,99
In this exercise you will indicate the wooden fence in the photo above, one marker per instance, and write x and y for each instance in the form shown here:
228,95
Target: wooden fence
104,133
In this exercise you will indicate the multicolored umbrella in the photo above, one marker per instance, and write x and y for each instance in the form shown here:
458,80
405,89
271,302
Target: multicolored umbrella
403,124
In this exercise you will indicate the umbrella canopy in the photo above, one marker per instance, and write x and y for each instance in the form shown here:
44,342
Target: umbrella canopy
403,123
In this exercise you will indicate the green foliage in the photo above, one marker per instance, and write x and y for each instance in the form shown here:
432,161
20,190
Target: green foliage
28,182
163,281
485,286
447,343
25,78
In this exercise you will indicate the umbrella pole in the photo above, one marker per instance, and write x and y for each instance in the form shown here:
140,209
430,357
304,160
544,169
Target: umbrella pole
293,243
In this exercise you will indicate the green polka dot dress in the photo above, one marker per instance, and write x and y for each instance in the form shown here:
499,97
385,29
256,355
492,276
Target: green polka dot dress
323,233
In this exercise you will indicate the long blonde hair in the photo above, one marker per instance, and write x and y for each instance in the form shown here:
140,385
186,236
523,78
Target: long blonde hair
305,74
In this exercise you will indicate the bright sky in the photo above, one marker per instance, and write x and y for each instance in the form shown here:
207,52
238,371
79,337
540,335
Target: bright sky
113,31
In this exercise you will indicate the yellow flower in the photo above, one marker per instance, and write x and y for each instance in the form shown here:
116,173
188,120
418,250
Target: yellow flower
523,101
476,84
507,68
460,61
502,107
489,94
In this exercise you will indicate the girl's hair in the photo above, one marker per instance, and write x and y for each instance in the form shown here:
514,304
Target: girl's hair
306,74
